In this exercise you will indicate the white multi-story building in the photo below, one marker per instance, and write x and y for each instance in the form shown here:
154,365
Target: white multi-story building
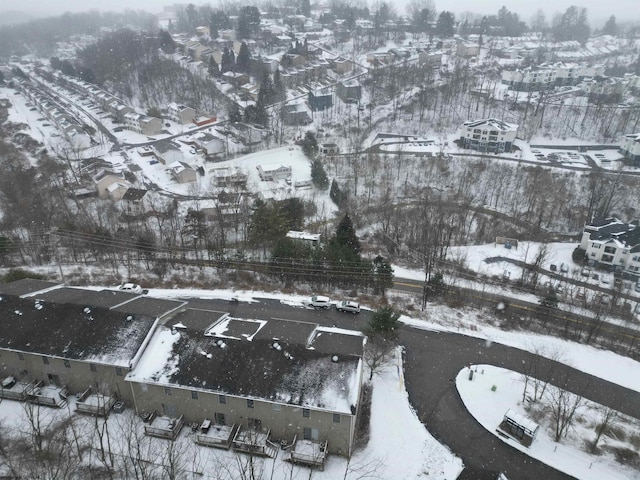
488,135
630,148
547,76
612,244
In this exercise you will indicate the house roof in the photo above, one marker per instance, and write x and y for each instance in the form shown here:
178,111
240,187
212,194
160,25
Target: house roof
491,122
26,286
72,331
134,194
276,360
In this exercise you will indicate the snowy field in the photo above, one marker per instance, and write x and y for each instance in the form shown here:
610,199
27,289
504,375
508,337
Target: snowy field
495,390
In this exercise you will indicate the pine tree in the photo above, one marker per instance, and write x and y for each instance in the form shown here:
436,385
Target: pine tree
306,8
226,63
346,236
610,28
266,94
243,62
445,24
235,115
310,145
318,175
279,91
214,70
167,44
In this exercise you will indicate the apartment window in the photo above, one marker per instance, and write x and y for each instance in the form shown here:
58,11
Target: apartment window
607,258
595,245
167,390
222,399
93,368
306,413
249,403
119,371
20,356
254,423
636,258
476,137
194,394
219,418
276,407
336,418
45,360
67,364
610,250
477,130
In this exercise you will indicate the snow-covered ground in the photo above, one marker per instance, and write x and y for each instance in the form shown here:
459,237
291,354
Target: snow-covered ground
495,390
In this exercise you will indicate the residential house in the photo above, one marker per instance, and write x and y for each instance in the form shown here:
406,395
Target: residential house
236,79
321,99
273,173
488,135
630,148
304,237
349,91
229,177
467,49
248,134
341,65
143,124
612,244
104,181
329,148
295,114
182,172
180,113
167,153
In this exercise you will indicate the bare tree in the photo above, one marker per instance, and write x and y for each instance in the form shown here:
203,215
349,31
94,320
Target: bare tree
379,354
562,406
608,417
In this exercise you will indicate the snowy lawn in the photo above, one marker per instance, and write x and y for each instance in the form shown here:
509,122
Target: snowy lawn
495,390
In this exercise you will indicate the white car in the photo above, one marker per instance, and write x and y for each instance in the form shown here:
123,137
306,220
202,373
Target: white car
605,280
320,301
348,306
130,287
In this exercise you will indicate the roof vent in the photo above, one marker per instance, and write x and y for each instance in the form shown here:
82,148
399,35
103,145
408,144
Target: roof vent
18,312
277,346
221,344
335,359
129,318
38,305
87,310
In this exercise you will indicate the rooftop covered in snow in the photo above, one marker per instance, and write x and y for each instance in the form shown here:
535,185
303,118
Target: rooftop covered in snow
283,361
72,330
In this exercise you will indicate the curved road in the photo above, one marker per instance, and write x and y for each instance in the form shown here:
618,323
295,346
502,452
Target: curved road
432,361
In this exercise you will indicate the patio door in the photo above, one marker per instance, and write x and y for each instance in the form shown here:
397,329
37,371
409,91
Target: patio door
311,434
53,379
219,418
170,410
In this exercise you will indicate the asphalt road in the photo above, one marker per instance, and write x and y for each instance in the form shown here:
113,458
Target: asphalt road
432,361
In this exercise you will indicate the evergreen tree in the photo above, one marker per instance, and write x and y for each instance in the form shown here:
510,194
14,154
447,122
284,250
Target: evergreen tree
266,94
384,323
244,59
234,113
226,63
306,8
318,175
310,145
610,28
445,24
167,44
213,68
346,236
337,195
573,25
383,275
279,91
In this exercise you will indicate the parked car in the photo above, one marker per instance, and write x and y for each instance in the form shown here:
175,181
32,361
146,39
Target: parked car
131,288
585,272
637,287
320,301
348,306
605,280
564,268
